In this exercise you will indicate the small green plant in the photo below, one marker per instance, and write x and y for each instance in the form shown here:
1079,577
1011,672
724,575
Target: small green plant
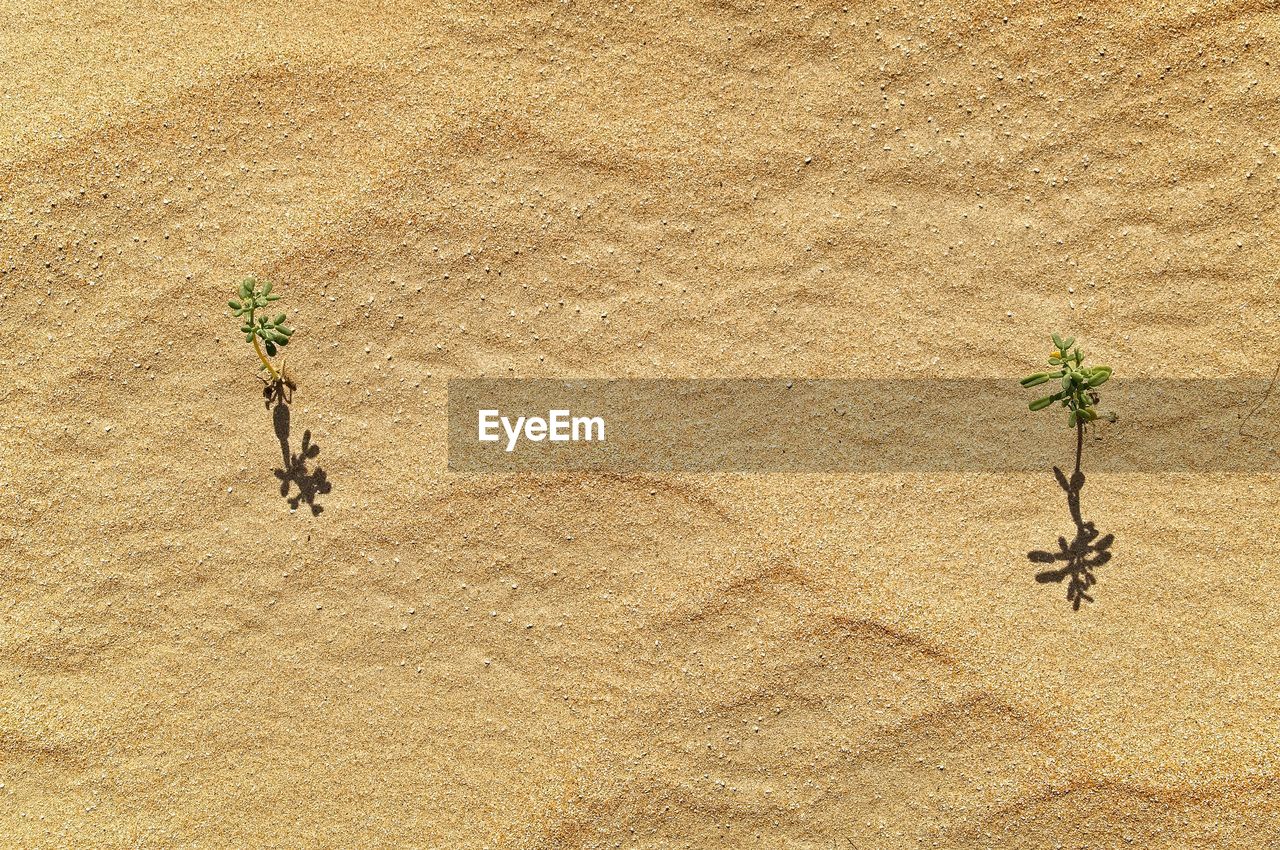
1079,383
264,332
1078,393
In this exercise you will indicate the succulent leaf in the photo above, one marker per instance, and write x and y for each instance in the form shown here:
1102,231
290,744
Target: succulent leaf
1077,382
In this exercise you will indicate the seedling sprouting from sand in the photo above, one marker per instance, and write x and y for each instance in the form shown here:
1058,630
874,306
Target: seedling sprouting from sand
1078,394
262,331
1078,383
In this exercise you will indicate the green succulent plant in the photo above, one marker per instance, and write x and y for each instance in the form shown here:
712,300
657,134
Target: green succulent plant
1079,383
264,332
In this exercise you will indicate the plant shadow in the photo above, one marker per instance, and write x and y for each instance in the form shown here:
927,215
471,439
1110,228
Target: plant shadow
278,391
1087,551
295,472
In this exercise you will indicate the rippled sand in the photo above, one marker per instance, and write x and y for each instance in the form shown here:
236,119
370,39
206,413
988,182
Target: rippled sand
703,190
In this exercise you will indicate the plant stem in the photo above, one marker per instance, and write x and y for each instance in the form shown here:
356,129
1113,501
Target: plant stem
275,375
1079,441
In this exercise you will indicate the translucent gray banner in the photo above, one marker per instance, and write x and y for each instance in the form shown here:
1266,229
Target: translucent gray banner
891,425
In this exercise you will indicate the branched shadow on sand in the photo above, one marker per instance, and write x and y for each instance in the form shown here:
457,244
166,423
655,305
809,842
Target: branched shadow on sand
294,473
279,391
1087,551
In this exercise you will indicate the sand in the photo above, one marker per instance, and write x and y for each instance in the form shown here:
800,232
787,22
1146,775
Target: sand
620,190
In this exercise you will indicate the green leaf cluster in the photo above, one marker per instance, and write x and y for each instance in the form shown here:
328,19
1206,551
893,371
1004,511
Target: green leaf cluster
254,295
1079,383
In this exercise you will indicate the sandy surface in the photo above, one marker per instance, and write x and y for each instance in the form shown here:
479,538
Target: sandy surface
709,190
